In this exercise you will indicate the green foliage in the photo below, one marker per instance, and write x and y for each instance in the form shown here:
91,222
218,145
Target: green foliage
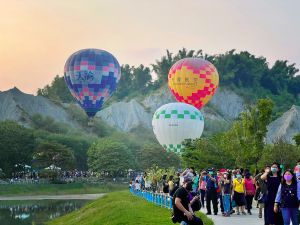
135,81
206,152
296,138
281,152
153,154
57,91
78,144
109,155
242,145
16,145
77,113
52,153
47,123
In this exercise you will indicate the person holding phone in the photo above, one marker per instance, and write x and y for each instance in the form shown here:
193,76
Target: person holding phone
272,177
182,210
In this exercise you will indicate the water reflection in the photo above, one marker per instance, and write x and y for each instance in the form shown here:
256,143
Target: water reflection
35,212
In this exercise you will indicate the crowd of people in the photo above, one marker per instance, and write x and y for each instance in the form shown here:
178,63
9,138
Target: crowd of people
276,193
69,176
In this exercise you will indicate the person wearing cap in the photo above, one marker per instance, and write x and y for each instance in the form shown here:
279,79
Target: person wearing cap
211,191
182,210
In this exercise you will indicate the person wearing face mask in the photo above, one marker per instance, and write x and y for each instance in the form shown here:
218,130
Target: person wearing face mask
211,191
182,210
250,191
288,198
297,173
238,193
272,177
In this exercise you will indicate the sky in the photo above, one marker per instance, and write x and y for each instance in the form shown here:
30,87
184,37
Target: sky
37,36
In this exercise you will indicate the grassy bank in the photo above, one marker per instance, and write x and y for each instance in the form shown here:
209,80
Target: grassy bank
119,208
59,189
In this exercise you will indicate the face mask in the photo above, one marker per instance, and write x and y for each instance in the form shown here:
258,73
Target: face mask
288,177
298,167
273,169
239,176
189,186
211,173
204,177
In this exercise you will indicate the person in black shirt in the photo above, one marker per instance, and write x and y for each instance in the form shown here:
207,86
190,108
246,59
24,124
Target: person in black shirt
181,205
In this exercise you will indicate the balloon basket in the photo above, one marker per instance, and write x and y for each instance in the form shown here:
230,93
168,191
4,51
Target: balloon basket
91,123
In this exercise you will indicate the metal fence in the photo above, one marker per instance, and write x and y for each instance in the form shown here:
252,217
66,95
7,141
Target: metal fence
162,200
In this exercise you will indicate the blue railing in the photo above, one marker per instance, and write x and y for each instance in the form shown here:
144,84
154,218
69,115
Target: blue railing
162,200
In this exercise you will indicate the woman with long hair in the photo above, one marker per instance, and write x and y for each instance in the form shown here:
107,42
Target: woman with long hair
272,177
287,198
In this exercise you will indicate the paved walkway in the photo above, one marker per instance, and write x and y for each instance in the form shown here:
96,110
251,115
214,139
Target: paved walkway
237,220
58,197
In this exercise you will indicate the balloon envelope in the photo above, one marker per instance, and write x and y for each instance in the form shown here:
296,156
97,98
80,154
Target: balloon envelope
174,122
92,76
193,81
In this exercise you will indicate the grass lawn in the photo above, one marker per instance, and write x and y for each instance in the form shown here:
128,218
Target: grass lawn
120,208
59,189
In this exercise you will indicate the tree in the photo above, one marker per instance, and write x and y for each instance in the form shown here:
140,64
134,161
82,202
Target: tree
245,139
57,91
125,83
47,123
205,152
281,152
52,153
77,144
153,154
163,66
110,155
296,138
16,145
141,78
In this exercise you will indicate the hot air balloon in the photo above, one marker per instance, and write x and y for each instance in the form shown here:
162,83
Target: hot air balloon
193,81
92,76
174,122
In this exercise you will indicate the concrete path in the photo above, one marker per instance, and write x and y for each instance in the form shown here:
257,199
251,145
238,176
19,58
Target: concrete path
237,220
56,197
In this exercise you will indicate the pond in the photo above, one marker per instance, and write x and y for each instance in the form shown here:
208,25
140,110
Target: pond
36,212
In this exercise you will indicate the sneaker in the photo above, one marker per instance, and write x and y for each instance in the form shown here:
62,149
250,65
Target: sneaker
259,215
249,212
215,214
208,213
244,213
238,213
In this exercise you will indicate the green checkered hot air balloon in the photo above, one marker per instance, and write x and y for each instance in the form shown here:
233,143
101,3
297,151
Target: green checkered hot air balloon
174,122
